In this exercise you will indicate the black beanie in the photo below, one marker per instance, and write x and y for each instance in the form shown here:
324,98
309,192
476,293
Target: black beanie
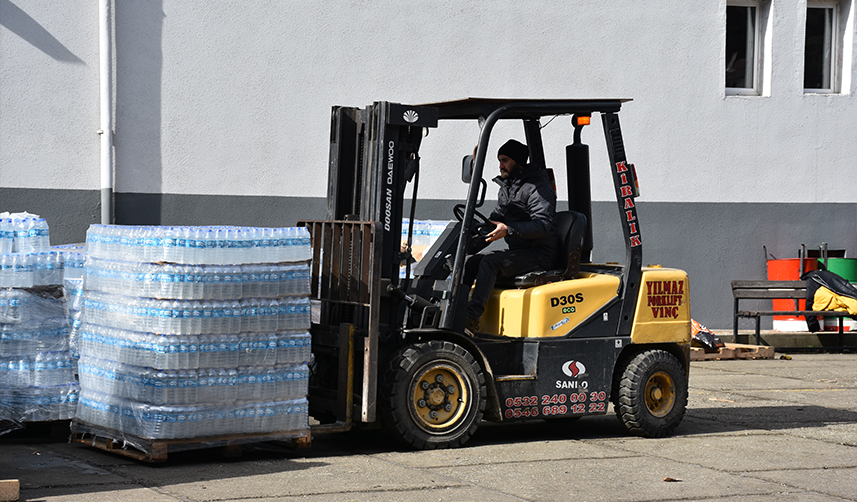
516,151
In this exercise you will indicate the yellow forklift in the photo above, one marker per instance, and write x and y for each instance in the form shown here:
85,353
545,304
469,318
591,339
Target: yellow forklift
388,337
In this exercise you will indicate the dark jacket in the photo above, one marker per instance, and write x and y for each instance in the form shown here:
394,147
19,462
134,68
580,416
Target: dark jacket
822,278
527,205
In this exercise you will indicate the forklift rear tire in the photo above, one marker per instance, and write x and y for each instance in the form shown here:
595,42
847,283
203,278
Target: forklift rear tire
652,394
433,395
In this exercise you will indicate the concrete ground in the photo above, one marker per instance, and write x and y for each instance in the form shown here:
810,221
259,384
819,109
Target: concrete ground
763,430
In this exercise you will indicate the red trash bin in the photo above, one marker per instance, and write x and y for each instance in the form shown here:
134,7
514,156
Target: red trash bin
788,269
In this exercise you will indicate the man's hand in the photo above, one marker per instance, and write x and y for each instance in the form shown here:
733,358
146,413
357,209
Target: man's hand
500,231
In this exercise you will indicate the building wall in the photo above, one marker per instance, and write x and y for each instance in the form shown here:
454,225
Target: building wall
222,115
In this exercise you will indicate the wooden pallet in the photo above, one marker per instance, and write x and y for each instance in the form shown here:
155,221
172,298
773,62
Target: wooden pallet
10,490
733,351
158,450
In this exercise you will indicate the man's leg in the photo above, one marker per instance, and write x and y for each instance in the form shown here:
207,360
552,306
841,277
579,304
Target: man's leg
471,268
505,263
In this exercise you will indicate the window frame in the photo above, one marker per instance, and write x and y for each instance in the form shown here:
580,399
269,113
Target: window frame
755,88
833,63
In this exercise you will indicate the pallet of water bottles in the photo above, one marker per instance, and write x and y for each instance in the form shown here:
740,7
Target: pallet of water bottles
192,337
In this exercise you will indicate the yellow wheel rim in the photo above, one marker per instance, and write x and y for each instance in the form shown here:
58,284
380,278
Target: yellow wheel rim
660,394
439,397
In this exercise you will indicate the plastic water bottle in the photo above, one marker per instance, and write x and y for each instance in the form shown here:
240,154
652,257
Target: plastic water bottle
6,270
189,385
168,242
268,253
208,351
197,281
305,347
206,385
22,370
232,349
125,243
269,340
54,267
270,313
195,245
39,261
230,394
73,262
148,244
236,245
135,242
269,383
44,369
216,283
21,228
186,324
264,281
157,391
22,265
108,240
92,240
249,315
40,235
7,235
233,288
278,244
244,271
185,245
193,351
182,288
284,351
255,281
236,313
218,316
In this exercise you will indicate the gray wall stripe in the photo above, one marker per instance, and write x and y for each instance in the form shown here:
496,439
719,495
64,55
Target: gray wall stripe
713,242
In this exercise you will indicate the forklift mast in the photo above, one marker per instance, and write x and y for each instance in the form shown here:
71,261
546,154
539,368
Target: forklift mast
374,152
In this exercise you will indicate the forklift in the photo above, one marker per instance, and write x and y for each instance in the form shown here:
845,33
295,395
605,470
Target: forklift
389,345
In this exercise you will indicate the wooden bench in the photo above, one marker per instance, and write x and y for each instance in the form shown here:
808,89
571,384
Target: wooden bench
770,290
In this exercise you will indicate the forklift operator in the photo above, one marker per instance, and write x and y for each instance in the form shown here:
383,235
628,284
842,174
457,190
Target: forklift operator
526,206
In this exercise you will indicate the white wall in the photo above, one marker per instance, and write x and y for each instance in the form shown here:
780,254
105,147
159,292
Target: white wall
48,94
233,97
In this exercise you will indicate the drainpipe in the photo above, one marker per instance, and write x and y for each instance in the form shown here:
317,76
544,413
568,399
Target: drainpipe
106,98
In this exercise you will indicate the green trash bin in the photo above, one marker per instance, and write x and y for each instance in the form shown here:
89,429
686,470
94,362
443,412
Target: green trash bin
843,267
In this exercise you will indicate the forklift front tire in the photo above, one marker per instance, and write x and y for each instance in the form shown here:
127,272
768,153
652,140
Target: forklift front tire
433,395
652,394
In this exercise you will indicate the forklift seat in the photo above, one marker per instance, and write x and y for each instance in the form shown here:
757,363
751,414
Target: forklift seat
571,228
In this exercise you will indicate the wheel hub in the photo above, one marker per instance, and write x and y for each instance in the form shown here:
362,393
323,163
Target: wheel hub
660,394
436,397
439,397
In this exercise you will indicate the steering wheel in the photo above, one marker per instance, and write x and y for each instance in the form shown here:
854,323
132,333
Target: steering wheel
483,226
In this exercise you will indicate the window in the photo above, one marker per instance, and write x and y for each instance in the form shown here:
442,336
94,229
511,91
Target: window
742,48
819,70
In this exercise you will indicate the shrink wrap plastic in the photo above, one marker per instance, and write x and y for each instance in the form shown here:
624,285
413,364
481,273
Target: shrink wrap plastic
192,333
37,369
